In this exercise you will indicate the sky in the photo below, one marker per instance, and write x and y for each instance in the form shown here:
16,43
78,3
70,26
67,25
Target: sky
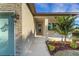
77,21
57,7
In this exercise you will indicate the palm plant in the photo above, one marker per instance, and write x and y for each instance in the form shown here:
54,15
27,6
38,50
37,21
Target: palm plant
65,25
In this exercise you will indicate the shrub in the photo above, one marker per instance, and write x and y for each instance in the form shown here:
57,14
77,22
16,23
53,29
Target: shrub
73,44
51,47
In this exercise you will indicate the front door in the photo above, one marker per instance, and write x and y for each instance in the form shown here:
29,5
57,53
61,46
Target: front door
6,35
39,29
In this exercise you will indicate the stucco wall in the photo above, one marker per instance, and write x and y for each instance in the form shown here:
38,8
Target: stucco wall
27,22
17,8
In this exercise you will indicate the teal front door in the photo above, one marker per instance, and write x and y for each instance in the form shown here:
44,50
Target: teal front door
6,34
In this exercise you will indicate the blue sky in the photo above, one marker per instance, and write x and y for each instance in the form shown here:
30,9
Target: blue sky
57,7
77,21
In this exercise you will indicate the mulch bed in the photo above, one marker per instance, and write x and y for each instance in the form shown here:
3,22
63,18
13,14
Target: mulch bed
59,46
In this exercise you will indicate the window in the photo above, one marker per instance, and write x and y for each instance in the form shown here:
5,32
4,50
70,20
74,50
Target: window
51,26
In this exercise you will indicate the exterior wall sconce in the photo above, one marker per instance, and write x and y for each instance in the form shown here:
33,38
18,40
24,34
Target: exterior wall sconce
16,18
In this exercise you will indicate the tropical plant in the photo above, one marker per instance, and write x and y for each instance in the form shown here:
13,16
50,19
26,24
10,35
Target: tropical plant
65,25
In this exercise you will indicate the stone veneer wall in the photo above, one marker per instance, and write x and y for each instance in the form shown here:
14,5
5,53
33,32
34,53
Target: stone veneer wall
18,10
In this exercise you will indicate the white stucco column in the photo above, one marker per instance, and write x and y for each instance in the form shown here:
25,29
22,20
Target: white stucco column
46,27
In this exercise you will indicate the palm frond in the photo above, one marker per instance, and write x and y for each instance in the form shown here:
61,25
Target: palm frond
65,24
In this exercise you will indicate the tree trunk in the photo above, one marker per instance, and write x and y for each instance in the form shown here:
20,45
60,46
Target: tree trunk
62,39
65,38
62,42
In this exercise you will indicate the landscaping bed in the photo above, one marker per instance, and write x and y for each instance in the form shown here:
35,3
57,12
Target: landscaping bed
55,46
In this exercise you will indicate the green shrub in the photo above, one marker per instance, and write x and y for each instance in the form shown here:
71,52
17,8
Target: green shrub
73,44
51,47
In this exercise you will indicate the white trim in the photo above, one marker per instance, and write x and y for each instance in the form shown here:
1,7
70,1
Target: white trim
7,11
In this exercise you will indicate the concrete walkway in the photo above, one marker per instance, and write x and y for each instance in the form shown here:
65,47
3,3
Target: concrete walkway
33,47
67,53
